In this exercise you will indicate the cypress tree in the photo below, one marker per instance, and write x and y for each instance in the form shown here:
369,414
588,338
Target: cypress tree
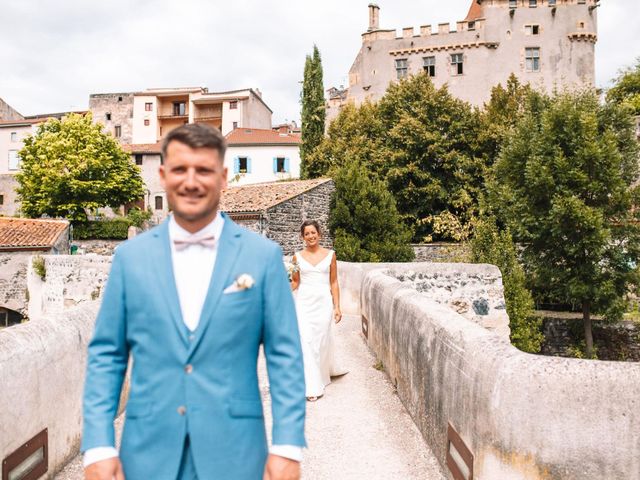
313,109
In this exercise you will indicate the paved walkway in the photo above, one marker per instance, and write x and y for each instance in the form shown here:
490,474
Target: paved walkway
358,430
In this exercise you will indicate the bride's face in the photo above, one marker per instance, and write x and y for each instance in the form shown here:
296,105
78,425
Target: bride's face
310,236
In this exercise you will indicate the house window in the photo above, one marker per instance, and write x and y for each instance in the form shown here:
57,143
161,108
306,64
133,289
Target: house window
401,68
532,59
179,108
532,29
533,3
471,26
148,107
281,166
233,105
456,64
14,160
513,3
14,136
117,131
429,66
1,199
107,116
138,159
243,164
235,125
146,122
158,202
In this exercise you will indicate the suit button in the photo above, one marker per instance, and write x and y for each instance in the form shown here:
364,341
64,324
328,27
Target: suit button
188,369
182,410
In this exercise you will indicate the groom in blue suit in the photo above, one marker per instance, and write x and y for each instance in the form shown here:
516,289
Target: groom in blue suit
188,304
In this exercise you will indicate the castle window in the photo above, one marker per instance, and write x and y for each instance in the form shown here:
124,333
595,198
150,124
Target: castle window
1,199
14,136
533,3
456,64
158,202
471,26
532,59
117,131
429,66
235,125
532,29
107,116
119,99
233,105
401,68
513,3
148,107
146,122
138,159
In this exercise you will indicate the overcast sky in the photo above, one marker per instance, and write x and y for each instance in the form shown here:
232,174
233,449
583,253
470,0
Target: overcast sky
53,54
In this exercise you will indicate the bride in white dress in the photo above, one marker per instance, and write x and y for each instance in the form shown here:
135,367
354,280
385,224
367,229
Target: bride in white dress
317,305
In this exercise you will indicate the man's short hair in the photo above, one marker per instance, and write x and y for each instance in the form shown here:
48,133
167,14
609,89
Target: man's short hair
196,135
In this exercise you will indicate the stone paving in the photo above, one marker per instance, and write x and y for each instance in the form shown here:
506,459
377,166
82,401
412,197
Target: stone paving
358,430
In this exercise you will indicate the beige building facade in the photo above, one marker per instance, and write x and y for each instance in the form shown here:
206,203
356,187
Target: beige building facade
546,43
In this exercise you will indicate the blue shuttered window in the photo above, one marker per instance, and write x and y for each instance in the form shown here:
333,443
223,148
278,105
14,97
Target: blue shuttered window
236,165
286,165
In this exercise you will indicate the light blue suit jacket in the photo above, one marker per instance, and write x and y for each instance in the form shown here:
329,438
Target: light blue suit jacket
204,384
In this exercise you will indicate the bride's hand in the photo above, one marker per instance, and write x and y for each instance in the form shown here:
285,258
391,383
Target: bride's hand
337,314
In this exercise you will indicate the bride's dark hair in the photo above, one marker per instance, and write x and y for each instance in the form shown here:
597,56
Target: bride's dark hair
310,223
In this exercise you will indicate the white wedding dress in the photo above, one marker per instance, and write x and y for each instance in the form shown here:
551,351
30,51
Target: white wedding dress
314,307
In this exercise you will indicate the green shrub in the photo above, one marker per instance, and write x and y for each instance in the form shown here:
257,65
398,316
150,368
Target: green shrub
490,245
114,229
39,266
137,217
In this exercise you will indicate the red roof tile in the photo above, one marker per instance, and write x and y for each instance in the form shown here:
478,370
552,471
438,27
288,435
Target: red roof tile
26,232
475,11
143,148
257,136
258,197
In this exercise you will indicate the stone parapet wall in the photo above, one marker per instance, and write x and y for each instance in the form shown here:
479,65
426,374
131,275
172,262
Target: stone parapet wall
618,341
439,252
13,281
42,368
522,416
98,247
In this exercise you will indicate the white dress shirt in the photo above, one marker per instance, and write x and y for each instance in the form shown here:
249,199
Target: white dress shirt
192,270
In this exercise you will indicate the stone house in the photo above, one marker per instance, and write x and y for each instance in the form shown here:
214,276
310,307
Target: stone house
259,155
546,43
277,209
27,235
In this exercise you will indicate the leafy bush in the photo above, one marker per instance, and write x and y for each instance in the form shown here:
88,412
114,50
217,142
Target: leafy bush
39,266
114,229
489,245
138,217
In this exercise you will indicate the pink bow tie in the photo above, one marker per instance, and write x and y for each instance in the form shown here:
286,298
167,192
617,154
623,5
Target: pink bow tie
207,241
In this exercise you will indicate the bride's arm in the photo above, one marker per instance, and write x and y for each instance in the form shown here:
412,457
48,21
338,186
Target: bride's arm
295,278
335,289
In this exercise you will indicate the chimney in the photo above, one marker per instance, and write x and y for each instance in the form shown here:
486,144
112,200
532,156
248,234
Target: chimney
374,17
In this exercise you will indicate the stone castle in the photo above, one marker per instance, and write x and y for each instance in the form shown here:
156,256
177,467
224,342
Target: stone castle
547,43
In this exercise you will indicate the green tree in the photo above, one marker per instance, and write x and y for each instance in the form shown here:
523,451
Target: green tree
313,111
435,165
563,184
364,220
626,88
70,168
490,245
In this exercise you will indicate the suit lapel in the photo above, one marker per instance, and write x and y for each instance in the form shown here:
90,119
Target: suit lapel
229,248
166,278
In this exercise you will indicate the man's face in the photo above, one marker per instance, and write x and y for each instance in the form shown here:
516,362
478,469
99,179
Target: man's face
193,179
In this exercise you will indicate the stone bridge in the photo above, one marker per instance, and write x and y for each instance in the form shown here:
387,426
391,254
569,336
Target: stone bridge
434,385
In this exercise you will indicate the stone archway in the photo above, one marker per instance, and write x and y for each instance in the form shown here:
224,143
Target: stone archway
9,317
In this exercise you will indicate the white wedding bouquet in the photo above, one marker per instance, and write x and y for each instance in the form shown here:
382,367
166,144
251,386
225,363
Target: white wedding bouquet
292,268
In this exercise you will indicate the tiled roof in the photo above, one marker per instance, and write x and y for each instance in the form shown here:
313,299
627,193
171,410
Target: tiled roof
475,11
262,196
257,136
22,233
143,148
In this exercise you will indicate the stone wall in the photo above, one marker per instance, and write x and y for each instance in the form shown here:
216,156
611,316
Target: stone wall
13,281
283,221
10,204
99,247
618,341
42,366
523,416
120,107
439,252
7,112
